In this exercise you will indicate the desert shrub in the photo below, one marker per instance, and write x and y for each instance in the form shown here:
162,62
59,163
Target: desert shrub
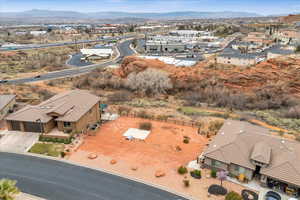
298,138
45,94
123,110
213,173
186,140
145,126
214,126
293,112
149,82
120,96
268,97
186,182
143,114
182,170
233,196
162,117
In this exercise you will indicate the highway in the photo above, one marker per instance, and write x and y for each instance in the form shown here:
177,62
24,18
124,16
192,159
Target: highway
55,180
123,47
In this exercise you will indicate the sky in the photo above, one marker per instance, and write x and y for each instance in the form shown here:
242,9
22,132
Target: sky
263,7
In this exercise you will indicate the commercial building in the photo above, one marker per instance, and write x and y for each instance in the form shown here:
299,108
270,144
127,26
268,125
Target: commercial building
97,53
249,151
238,59
70,112
164,47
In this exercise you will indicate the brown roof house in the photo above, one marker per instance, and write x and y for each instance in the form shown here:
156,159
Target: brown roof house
7,103
69,112
250,150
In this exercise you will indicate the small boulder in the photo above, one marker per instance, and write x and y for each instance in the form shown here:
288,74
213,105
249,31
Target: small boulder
159,173
113,162
134,168
92,156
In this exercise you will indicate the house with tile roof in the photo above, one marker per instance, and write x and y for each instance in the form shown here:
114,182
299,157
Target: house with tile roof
245,149
69,112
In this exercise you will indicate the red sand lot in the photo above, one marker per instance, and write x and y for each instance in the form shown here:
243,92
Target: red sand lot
159,148
157,152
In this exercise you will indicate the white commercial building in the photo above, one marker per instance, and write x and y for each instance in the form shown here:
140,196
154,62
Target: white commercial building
97,53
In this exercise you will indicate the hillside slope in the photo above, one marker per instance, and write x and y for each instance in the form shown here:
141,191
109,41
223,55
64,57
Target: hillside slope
284,73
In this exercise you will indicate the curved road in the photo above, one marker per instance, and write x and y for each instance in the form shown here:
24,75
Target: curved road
123,47
55,180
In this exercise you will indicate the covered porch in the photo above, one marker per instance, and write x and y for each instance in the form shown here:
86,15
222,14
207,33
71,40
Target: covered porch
55,133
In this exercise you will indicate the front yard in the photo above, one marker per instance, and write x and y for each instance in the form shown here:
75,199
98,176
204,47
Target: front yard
48,149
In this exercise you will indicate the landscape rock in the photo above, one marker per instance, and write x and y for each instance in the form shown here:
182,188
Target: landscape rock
113,162
92,156
159,173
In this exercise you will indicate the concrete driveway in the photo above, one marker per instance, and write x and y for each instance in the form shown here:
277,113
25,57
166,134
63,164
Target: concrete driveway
15,141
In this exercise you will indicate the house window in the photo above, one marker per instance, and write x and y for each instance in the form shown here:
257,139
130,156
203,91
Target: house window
67,124
216,164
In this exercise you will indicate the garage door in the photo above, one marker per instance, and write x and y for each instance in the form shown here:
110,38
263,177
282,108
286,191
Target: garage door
15,126
32,127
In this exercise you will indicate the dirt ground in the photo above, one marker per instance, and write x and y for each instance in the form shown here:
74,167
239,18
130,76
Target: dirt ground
157,152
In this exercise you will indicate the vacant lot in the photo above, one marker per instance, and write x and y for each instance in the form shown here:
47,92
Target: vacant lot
163,151
164,147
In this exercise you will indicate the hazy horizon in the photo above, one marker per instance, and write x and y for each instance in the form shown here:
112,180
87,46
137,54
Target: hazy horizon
262,7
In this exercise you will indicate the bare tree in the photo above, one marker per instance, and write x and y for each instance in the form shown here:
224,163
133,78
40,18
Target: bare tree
150,81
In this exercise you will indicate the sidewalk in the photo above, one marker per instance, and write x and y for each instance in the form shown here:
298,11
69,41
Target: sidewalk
24,196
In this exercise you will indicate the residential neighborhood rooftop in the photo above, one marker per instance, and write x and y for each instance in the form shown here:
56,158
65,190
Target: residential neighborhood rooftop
69,106
239,142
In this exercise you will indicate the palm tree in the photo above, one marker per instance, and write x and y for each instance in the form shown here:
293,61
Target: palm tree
8,189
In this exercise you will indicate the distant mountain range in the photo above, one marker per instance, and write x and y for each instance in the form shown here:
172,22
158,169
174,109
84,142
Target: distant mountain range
113,15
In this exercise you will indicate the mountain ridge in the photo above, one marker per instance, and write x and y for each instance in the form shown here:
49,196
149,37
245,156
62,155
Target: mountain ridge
35,13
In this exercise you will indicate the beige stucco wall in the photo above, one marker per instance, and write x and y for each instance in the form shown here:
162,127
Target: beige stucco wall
91,117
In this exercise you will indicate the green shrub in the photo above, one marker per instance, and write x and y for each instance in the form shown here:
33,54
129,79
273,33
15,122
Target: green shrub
145,126
213,173
197,172
67,141
62,154
182,170
233,196
186,141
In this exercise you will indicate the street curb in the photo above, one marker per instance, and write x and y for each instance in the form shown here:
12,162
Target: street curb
105,171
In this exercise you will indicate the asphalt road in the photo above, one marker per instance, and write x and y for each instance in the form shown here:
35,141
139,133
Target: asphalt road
76,61
123,47
56,180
